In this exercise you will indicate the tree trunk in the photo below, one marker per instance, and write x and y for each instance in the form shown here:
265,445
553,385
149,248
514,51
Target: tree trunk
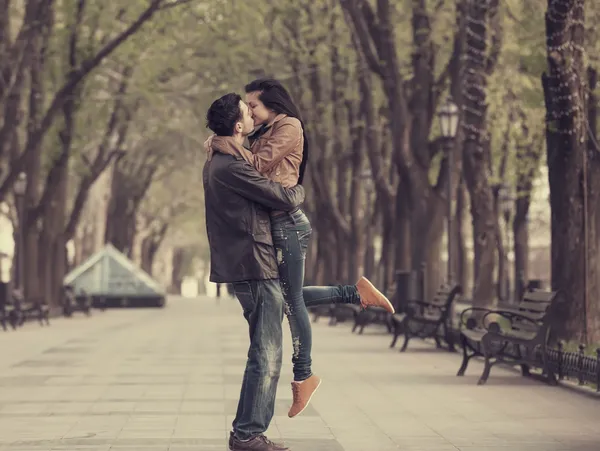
121,218
593,181
570,168
150,245
147,254
34,287
369,254
476,152
521,248
461,262
177,261
529,153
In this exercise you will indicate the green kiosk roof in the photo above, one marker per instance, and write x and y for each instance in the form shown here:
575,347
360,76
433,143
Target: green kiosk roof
110,273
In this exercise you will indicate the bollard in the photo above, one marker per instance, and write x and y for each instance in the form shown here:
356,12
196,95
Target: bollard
580,364
561,374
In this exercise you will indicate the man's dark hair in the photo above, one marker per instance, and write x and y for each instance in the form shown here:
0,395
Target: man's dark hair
223,114
275,97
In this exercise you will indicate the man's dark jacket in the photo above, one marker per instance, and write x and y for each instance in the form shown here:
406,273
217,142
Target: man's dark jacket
238,200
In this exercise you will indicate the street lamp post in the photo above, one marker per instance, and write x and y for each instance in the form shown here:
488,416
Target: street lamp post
506,201
448,116
19,189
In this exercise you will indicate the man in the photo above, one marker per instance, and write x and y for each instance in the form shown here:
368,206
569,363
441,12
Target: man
237,200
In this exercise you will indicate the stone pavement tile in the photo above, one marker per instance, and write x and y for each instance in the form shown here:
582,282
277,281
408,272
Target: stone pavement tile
116,421
164,392
163,407
84,433
140,448
308,444
150,422
12,408
202,407
202,422
434,442
200,434
358,441
154,433
281,408
81,448
75,408
219,443
219,447
303,427
535,447
143,384
104,407
210,392
395,427
122,393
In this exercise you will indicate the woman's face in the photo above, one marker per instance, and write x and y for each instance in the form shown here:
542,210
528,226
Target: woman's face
260,112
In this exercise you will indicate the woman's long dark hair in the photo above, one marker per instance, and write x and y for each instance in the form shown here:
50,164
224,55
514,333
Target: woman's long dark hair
275,97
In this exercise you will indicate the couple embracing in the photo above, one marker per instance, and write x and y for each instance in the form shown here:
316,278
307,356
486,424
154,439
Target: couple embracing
258,237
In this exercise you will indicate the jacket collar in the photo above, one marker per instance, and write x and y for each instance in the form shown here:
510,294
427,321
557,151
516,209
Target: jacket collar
227,145
263,128
276,119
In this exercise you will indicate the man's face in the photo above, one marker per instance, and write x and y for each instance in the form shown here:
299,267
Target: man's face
246,125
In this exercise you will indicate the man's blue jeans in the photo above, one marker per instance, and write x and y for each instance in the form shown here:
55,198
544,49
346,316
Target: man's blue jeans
262,303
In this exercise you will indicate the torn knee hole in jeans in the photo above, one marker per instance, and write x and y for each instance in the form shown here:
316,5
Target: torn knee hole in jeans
284,290
296,344
280,259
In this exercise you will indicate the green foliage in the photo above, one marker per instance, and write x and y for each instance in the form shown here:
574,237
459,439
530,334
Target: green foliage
187,56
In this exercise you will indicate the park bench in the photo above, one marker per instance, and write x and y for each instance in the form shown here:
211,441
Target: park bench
73,303
372,315
321,310
363,317
426,319
25,309
510,334
336,312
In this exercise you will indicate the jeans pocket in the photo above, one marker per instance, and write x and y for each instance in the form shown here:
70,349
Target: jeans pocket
303,240
243,291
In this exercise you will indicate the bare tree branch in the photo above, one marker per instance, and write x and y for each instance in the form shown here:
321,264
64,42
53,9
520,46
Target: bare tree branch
34,139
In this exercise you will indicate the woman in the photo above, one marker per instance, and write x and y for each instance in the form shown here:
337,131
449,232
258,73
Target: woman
279,151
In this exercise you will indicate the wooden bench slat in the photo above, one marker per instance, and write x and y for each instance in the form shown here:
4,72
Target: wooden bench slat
522,334
534,306
524,326
539,296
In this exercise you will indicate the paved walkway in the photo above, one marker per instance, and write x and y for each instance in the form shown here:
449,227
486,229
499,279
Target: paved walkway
157,380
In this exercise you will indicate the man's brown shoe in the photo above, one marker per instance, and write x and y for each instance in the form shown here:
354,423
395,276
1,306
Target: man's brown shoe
303,392
371,296
258,443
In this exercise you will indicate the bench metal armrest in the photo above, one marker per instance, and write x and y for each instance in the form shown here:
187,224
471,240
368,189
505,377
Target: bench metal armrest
471,324
510,315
